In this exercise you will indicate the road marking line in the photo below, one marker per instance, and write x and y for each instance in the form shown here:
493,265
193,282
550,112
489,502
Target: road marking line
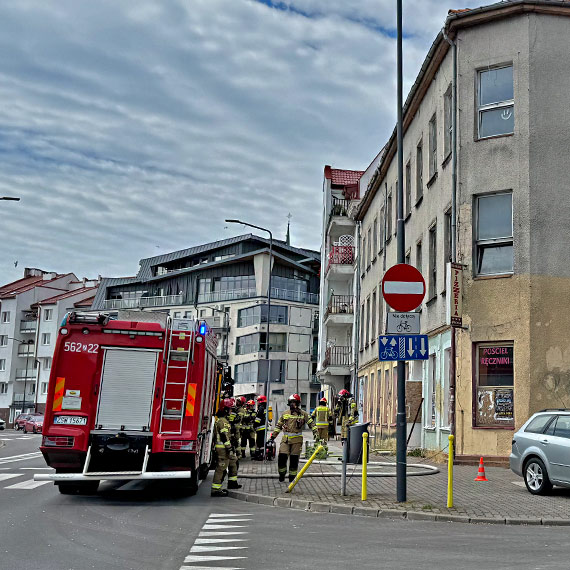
6,439
218,521
222,526
5,460
518,483
36,468
221,532
215,548
208,568
5,476
219,515
206,558
31,484
218,540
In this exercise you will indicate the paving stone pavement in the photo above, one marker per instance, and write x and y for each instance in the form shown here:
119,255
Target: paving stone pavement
503,499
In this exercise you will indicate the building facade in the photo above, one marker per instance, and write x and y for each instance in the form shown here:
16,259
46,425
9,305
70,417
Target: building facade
226,284
512,227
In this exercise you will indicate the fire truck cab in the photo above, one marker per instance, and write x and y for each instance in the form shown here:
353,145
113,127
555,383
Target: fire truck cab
129,399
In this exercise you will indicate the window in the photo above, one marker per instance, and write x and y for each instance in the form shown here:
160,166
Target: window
369,250
223,288
419,171
432,146
389,217
539,424
382,220
494,234
363,255
374,238
408,257
247,344
496,105
277,342
447,122
560,427
419,256
313,403
48,314
32,389
3,340
368,321
431,395
188,314
3,388
276,370
447,236
408,189
44,387
373,317
46,338
177,315
432,274
2,364
246,372
494,404
258,314
380,314
47,363
5,316
362,326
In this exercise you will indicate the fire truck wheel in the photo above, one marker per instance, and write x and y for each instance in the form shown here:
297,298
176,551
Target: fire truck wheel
189,486
203,471
82,488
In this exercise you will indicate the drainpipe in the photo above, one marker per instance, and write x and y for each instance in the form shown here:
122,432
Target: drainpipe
356,347
453,355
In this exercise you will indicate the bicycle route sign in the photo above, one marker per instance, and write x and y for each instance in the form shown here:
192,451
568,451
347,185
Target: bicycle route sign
403,347
402,323
403,287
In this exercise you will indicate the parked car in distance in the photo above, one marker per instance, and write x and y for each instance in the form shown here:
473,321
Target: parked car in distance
21,420
541,451
2,424
34,424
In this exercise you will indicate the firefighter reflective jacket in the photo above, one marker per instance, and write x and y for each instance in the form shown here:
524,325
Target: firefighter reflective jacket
291,424
322,416
259,422
246,418
222,433
235,428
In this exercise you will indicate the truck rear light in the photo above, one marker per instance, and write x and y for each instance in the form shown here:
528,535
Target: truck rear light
57,441
178,445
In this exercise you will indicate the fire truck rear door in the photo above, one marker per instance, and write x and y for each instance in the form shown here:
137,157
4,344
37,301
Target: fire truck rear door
127,389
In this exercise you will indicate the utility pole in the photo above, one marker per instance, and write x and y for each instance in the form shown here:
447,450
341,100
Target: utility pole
401,251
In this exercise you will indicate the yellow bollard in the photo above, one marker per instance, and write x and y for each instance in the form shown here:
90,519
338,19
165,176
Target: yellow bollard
450,474
364,465
305,467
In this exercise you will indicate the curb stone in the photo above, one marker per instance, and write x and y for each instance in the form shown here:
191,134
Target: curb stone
317,507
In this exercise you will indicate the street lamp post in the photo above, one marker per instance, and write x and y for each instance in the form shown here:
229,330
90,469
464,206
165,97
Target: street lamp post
268,380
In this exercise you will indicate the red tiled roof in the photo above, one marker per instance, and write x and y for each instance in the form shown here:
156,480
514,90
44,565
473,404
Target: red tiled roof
459,11
85,302
25,284
56,298
343,177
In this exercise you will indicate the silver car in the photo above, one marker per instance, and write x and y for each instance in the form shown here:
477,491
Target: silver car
541,451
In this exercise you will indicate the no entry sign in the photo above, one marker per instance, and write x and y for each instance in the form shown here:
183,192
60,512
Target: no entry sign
403,287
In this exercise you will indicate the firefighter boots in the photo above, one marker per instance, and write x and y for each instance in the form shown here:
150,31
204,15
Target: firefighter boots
234,485
219,493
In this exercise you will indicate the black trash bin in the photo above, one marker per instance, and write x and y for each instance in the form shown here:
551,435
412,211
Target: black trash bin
355,442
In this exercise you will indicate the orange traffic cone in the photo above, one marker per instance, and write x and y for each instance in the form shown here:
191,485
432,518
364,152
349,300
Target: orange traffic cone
481,473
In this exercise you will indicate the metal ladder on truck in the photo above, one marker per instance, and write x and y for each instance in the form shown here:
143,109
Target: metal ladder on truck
178,360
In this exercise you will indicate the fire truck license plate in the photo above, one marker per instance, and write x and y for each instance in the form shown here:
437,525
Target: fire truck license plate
75,420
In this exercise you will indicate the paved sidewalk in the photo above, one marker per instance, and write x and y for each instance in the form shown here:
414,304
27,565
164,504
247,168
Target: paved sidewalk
503,499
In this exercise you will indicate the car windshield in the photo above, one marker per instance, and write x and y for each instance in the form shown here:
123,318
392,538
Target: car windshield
37,419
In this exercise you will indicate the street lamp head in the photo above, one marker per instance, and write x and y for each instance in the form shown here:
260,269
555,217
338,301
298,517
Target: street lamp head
234,221
12,198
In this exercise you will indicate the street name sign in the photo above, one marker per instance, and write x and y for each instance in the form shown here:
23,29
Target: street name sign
402,323
403,287
403,347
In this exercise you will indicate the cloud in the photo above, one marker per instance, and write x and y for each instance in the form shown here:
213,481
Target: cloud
135,128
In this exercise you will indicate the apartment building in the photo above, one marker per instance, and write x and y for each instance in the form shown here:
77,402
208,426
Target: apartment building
29,311
512,228
226,284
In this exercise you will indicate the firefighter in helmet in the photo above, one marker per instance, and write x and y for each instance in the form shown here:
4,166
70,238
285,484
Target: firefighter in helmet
259,426
226,457
291,424
235,428
323,417
346,412
247,431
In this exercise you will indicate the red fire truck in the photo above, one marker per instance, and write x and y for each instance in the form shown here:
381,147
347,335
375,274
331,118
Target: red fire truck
132,398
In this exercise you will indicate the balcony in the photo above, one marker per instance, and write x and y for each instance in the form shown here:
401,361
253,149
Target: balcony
26,350
23,374
230,295
339,207
18,400
340,305
28,326
338,356
295,296
316,322
218,322
341,255
144,302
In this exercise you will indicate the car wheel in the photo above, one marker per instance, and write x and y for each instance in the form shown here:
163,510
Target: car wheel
25,430
34,430
536,477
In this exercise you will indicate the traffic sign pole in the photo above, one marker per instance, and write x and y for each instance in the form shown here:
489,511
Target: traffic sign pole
401,247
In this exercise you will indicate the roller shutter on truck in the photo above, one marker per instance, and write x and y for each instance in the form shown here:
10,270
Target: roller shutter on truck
127,389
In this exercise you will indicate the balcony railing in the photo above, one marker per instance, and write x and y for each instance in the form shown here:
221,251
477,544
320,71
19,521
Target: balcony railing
28,326
316,322
340,305
341,255
159,301
23,374
339,207
315,379
217,322
25,352
295,296
338,356
216,296
19,400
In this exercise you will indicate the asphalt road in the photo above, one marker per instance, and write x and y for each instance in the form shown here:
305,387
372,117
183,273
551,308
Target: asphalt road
138,526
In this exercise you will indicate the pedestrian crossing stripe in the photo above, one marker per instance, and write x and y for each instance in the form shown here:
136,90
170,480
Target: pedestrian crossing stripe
30,484
218,540
6,476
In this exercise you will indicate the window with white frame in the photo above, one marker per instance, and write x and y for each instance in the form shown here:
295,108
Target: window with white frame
44,387
408,189
46,338
494,234
373,317
419,171
432,276
48,314
363,254
374,237
369,250
3,388
5,316
362,324
389,217
447,122
496,102
47,363
3,340
432,146
32,389
431,395
419,256
2,364
381,232
367,321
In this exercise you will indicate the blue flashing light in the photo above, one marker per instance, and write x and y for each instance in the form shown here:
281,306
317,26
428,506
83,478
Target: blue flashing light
203,328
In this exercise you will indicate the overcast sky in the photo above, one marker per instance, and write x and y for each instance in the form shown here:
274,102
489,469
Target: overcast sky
133,128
